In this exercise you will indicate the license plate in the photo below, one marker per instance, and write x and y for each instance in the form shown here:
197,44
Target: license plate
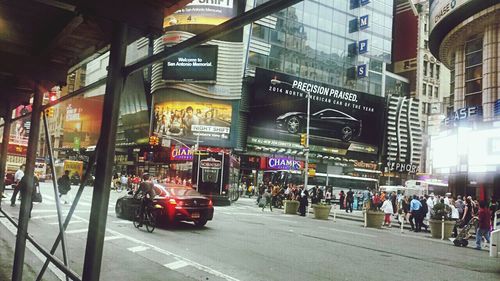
195,215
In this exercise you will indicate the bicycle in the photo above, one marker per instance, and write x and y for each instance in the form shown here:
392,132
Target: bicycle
150,217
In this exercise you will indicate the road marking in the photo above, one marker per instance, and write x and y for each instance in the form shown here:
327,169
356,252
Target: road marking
176,265
44,217
109,238
349,232
178,257
71,222
12,229
77,231
121,221
138,249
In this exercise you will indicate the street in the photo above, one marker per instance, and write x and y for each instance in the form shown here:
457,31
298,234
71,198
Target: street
245,243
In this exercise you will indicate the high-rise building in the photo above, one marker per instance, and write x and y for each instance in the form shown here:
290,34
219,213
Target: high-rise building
464,37
429,78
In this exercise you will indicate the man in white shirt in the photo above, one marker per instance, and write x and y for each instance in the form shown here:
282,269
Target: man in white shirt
447,199
17,178
430,205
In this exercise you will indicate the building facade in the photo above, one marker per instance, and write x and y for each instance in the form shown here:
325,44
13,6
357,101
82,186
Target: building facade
464,36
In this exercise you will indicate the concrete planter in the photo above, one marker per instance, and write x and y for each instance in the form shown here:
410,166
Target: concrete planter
321,211
374,219
436,228
291,206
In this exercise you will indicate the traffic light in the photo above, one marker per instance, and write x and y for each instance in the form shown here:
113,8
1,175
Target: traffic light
154,140
49,112
52,97
303,139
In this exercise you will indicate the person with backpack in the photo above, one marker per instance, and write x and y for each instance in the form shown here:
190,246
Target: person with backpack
64,186
423,212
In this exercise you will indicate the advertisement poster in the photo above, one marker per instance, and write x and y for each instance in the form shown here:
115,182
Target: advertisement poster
211,12
82,122
341,121
197,64
190,119
20,129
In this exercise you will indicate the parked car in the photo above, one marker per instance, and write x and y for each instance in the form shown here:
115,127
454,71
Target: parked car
327,123
180,203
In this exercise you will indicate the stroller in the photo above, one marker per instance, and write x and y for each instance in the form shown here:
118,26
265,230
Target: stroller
464,234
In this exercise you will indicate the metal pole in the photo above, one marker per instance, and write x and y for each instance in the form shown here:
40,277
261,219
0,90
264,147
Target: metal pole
88,172
56,195
306,165
105,159
27,190
3,150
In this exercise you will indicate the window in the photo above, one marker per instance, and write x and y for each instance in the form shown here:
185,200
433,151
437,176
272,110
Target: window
426,44
424,89
425,68
436,92
473,71
431,70
437,71
429,90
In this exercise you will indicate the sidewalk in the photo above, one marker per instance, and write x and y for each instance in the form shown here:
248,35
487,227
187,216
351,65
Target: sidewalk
32,261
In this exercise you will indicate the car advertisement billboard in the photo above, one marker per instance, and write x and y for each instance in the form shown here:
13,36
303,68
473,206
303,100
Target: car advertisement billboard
194,65
82,121
208,12
342,121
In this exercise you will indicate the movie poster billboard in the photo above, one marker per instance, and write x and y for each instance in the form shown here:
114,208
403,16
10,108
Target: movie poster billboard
192,119
82,121
342,121
20,129
206,12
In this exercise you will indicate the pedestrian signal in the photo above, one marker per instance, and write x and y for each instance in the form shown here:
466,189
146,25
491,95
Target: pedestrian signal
303,139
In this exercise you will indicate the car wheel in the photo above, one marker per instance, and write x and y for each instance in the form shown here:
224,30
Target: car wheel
293,125
346,133
200,222
119,209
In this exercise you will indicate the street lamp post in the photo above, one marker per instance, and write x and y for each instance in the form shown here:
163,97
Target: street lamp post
306,149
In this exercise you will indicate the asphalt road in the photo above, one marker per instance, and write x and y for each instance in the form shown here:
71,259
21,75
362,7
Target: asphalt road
244,243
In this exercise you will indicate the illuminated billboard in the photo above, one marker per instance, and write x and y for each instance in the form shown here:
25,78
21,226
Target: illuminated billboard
194,65
82,121
206,12
190,119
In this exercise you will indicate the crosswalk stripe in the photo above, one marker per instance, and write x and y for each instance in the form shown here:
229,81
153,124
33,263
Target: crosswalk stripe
109,238
71,222
138,249
176,265
76,231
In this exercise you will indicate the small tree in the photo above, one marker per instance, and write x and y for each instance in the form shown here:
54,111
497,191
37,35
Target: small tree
441,210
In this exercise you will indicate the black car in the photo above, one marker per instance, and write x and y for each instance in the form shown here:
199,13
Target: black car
326,122
180,203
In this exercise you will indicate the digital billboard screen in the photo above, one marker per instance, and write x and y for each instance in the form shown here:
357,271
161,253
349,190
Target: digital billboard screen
190,119
342,121
198,64
207,12
82,121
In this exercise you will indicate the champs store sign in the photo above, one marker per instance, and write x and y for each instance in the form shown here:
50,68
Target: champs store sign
273,163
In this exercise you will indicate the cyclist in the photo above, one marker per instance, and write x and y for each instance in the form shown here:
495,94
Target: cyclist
145,189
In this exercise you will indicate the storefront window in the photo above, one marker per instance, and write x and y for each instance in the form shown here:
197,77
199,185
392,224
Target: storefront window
473,72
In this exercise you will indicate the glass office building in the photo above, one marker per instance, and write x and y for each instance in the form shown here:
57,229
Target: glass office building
321,40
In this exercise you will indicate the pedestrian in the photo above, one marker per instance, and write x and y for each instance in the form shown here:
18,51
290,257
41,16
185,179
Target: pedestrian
423,212
483,228
328,196
304,195
405,205
394,202
415,207
319,195
64,186
466,217
430,205
314,195
388,211
18,176
341,201
494,207
349,200
266,199
460,205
